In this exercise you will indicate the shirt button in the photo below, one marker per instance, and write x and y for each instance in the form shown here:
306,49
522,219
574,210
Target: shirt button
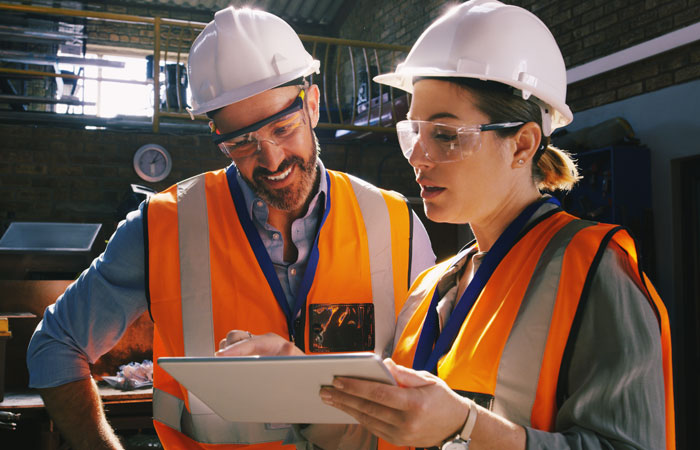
259,204
293,271
275,236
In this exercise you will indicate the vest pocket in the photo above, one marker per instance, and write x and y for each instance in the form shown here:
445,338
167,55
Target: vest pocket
338,327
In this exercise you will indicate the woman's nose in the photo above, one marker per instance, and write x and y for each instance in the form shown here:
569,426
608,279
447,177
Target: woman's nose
418,157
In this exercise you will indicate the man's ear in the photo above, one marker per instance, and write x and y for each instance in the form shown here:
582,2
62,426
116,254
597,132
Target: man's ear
312,103
527,141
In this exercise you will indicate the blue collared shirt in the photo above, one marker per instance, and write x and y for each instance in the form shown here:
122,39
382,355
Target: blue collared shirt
304,229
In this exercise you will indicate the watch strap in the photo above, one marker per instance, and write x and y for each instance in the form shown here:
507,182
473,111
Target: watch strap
461,440
471,421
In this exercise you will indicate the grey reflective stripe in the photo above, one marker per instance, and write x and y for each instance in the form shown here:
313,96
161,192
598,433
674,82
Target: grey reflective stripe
167,409
195,278
212,429
375,215
519,369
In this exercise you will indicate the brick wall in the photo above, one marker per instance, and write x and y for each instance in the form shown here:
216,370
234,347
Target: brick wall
396,22
592,29
673,67
135,35
75,175
585,31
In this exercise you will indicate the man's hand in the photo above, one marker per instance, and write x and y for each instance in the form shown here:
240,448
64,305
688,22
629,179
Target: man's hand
76,409
243,343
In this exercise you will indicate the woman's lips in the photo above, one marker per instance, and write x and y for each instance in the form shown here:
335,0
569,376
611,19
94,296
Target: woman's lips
428,192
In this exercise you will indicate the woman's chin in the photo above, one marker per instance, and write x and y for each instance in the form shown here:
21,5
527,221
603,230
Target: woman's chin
435,213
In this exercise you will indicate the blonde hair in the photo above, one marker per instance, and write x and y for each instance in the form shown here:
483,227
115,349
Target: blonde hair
552,168
555,169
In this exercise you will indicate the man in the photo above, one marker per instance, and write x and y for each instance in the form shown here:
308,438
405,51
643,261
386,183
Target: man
274,243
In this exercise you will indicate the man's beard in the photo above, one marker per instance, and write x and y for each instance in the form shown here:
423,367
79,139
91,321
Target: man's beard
290,197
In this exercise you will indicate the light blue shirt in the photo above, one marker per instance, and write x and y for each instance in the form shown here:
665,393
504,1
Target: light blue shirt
95,311
303,235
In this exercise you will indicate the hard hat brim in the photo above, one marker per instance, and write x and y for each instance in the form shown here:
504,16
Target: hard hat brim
561,116
243,92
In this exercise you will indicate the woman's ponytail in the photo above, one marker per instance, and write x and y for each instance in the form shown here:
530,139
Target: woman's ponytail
555,170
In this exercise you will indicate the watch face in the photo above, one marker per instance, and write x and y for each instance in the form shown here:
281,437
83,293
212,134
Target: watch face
456,444
152,162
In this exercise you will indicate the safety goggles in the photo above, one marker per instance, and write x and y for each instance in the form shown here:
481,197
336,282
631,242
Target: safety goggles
440,142
279,128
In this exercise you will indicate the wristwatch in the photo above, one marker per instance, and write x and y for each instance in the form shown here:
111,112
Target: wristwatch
461,440
456,443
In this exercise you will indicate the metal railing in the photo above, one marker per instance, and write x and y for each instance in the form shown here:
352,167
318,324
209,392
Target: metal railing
350,100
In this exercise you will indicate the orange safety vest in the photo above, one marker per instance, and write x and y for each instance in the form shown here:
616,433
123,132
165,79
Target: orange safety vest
202,268
471,365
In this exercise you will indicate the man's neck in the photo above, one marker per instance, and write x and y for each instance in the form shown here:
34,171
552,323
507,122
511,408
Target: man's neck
282,220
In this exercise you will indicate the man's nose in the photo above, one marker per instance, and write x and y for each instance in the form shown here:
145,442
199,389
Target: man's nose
271,155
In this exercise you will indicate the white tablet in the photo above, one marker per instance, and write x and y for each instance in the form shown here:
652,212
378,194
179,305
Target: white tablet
272,389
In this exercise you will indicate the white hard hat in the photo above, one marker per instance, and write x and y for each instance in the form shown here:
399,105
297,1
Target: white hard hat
488,40
241,53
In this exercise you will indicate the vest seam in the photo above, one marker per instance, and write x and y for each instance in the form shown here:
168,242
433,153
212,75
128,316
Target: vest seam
536,222
640,270
146,260
564,367
410,243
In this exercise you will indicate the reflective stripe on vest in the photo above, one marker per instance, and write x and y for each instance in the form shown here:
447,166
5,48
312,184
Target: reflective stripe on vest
525,314
212,429
195,281
199,423
528,336
374,212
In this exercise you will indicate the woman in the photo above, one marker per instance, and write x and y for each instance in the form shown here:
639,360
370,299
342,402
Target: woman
544,333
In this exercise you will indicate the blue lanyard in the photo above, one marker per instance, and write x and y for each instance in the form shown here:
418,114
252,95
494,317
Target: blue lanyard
433,344
263,257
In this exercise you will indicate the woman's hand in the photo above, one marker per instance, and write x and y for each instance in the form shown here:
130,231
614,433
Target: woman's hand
243,343
422,411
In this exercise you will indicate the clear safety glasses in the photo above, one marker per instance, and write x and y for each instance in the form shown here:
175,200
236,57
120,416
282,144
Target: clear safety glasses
277,129
440,142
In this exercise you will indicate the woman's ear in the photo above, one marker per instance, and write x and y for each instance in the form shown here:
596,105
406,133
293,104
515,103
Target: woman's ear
527,141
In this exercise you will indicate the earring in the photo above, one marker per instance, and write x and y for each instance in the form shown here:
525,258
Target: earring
520,161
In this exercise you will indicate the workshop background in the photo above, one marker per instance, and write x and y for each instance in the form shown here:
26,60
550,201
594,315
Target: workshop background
67,156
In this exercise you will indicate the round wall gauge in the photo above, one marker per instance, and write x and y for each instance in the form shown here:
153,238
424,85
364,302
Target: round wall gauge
152,162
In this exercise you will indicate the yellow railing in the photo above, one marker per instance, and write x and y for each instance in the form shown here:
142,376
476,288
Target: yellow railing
347,102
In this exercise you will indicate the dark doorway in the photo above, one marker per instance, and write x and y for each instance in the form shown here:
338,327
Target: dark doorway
686,338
